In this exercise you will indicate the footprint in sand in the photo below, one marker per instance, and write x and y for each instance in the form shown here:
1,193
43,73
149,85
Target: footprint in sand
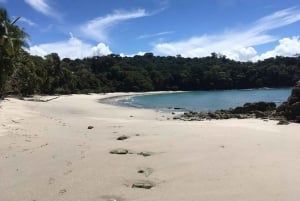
68,172
82,154
51,180
62,191
44,145
68,163
121,151
116,126
146,171
112,198
145,153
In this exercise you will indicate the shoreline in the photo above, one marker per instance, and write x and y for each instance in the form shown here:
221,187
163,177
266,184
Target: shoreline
169,107
47,152
113,100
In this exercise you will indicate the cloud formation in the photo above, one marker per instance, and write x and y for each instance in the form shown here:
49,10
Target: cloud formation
73,48
235,44
132,55
286,47
43,7
97,29
27,21
155,34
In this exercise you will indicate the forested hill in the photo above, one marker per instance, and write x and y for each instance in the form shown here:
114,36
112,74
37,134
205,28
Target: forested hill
49,75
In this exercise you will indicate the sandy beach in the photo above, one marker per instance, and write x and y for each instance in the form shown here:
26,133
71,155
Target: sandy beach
47,153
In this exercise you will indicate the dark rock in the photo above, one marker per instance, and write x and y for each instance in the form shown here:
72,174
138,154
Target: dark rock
293,99
123,137
282,107
176,117
283,122
258,106
144,153
119,151
295,109
143,184
296,92
260,114
291,109
212,115
90,127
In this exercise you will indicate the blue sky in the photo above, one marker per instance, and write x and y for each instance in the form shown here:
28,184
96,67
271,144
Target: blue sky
240,29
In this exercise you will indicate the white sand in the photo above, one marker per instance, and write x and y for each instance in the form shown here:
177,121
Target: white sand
48,154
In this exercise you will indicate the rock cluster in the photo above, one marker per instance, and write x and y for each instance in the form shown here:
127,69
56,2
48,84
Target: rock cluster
291,108
287,111
248,110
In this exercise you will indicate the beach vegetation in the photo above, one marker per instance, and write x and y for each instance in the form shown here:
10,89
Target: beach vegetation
12,39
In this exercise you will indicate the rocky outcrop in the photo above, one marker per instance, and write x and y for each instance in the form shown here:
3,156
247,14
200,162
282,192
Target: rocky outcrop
254,107
248,110
287,111
291,108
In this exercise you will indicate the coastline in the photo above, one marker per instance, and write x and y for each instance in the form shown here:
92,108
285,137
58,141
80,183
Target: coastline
197,101
48,153
113,99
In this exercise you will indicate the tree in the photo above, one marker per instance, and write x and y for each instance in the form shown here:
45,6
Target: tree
12,39
24,80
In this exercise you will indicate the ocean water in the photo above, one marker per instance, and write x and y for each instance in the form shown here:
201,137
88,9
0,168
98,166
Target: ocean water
206,100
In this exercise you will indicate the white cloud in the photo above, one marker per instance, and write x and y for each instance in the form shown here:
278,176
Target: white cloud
241,53
97,28
286,47
72,48
100,49
132,55
155,34
43,7
235,44
277,19
27,21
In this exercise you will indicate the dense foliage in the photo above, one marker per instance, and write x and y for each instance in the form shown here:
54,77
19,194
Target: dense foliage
24,74
111,73
12,39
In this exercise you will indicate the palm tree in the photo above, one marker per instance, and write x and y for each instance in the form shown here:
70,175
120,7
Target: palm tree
12,39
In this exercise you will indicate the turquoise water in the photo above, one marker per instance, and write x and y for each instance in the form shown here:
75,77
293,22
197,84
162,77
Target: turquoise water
206,100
